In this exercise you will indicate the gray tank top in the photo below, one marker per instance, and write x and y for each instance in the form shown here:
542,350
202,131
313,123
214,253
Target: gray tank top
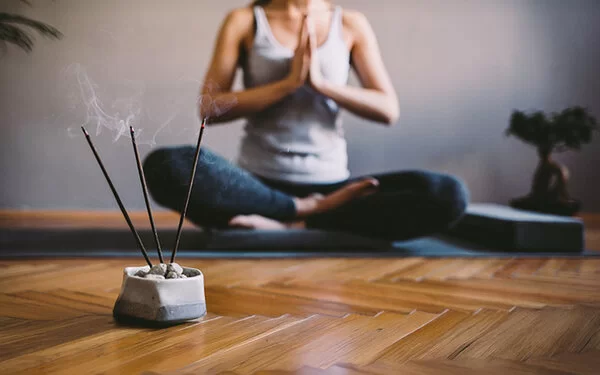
299,139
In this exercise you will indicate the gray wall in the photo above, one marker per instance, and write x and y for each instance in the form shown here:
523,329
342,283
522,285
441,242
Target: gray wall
460,68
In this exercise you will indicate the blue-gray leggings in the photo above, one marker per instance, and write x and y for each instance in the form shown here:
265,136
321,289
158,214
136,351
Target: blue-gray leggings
407,204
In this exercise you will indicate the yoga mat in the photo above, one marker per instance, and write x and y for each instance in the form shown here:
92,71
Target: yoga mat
26,243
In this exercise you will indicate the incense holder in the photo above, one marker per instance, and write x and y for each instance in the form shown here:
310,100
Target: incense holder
160,301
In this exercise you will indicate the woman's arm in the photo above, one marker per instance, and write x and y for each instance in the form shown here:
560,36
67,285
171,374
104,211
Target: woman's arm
219,103
377,99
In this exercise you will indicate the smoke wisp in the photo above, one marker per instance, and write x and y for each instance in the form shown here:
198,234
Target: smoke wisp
176,113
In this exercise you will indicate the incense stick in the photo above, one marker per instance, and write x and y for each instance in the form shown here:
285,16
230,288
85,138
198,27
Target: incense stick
118,199
145,191
189,193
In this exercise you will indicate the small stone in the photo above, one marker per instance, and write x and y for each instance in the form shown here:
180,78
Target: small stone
159,269
174,267
155,277
141,273
171,275
182,276
191,272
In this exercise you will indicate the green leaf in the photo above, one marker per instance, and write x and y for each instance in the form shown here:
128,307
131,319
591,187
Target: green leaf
14,35
40,27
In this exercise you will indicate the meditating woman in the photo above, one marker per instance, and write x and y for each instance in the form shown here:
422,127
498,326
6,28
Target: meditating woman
292,170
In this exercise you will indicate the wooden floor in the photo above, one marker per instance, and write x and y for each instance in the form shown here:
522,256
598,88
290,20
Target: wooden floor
322,316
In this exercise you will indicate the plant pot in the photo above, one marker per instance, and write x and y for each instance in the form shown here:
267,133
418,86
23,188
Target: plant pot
553,207
160,302
549,189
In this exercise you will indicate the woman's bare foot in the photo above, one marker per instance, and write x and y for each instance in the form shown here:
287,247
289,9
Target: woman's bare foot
317,203
313,204
261,222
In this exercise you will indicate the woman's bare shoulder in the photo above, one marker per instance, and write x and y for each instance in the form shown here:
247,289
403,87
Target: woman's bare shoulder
240,19
356,25
354,20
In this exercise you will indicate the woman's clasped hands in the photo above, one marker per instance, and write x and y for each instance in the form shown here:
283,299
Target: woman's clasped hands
305,67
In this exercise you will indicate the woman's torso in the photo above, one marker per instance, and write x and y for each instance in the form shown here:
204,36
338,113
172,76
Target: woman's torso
299,139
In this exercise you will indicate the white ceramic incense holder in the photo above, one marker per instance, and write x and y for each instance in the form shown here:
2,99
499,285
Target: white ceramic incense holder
160,301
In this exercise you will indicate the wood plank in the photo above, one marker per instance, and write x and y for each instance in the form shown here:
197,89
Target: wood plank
22,308
421,269
168,351
492,269
586,363
80,355
358,342
342,293
404,266
571,266
40,335
412,294
95,274
453,342
455,269
478,366
550,267
590,267
421,341
261,301
521,292
85,219
525,334
265,349
473,299
521,267
76,301
12,270
457,367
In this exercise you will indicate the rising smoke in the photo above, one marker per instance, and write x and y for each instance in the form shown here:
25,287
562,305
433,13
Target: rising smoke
113,117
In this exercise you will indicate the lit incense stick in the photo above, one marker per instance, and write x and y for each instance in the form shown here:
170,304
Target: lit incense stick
189,193
114,191
145,191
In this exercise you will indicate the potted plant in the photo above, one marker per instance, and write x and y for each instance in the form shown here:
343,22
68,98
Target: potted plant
14,30
558,132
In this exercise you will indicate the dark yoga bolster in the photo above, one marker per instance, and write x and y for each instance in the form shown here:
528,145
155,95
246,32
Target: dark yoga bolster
510,229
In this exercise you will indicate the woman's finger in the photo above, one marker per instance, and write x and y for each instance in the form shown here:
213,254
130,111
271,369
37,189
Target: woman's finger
306,34
302,28
303,35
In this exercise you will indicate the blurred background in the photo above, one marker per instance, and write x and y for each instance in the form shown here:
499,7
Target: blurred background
460,68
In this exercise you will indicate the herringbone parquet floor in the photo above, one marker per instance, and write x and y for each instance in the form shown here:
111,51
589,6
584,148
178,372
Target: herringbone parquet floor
321,316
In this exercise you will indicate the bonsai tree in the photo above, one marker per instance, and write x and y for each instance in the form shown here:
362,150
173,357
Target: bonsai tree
15,29
567,130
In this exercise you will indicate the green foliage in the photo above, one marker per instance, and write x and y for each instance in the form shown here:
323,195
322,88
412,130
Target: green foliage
15,29
569,129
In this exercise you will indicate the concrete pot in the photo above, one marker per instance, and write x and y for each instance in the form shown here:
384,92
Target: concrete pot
166,301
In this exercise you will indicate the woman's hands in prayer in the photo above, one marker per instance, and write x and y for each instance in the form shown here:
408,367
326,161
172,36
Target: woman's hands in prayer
315,76
301,61
306,68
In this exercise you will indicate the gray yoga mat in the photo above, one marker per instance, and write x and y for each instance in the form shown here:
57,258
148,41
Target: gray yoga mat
24,243
486,230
